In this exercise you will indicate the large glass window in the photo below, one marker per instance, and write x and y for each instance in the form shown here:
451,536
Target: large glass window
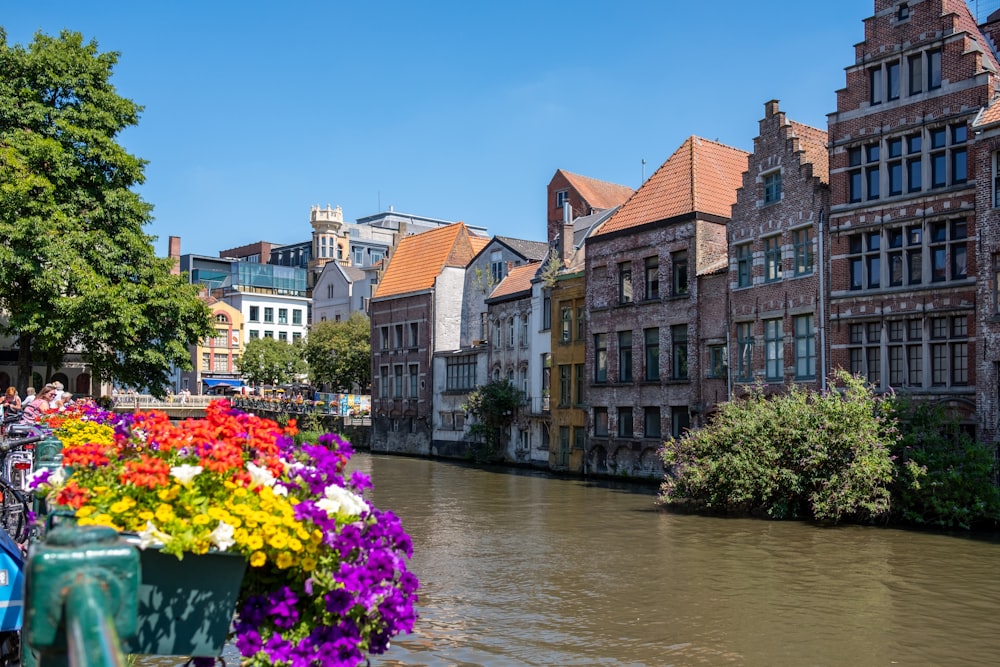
625,429
460,372
772,187
805,348
651,421
625,356
565,385
772,258
679,351
744,256
652,340
802,240
774,367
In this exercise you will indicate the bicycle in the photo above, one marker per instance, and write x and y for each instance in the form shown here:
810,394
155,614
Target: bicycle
17,465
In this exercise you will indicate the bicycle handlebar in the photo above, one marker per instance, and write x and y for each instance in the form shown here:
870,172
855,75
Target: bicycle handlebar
13,441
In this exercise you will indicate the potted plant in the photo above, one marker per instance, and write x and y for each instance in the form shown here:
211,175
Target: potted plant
326,580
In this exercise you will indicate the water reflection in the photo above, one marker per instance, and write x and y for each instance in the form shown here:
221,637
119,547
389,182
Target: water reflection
524,569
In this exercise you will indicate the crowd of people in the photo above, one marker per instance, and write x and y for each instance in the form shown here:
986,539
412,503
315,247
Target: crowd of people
50,398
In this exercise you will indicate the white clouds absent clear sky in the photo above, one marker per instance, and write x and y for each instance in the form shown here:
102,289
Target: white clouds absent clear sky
255,111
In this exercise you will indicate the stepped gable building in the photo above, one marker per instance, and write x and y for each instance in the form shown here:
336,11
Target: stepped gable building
646,366
903,223
416,311
775,277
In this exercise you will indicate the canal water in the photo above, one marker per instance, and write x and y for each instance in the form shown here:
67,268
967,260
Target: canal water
525,569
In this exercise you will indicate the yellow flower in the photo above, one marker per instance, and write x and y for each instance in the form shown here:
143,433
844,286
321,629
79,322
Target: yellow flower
201,520
278,541
294,544
84,511
122,506
164,513
257,559
255,542
284,560
308,564
144,515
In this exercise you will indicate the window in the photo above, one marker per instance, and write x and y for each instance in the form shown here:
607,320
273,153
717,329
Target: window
914,163
562,196
269,315
523,336
892,80
359,257
625,422
283,336
522,378
903,12
254,334
546,311
865,351
282,316
854,175
947,250
875,85
717,361
679,351
563,459
915,71
805,348
414,334
220,363
580,371
652,277
383,385
894,151
511,322
996,180
652,339
414,375
397,336
581,322
803,259
872,170
772,258
651,422
497,334
384,337
296,336
297,317
397,387
566,324
255,313
625,282
206,361
933,69
600,357
268,334
496,266
601,422
772,187
774,368
744,255
460,372
959,156
865,260
565,385
624,356
744,351
679,268
680,420
578,437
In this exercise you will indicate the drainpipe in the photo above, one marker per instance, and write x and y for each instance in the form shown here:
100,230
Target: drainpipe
822,304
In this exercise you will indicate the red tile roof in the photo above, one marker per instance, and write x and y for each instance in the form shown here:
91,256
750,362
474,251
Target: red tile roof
419,259
518,280
701,176
599,194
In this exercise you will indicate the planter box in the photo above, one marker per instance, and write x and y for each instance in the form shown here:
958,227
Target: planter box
186,606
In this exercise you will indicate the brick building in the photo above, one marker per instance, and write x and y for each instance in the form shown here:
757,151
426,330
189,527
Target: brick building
776,310
903,216
644,334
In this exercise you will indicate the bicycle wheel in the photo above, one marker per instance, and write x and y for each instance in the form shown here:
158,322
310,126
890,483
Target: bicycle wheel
13,512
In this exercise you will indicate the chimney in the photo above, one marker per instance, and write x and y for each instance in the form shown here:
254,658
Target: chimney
174,253
566,237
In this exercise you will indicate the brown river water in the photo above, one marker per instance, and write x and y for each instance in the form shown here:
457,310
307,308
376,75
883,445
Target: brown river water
526,569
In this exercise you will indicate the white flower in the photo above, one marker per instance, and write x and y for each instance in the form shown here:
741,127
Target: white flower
259,476
185,473
52,478
152,537
339,500
222,536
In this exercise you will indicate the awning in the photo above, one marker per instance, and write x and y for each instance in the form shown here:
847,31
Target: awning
222,382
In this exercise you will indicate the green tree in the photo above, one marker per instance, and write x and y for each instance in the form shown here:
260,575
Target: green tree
494,406
797,454
77,272
340,353
270,361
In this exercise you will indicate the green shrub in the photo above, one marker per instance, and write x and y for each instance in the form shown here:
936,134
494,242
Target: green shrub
946,478
797,454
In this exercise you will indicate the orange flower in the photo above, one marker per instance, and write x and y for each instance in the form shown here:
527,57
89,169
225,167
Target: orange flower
72,495
148,472
90,454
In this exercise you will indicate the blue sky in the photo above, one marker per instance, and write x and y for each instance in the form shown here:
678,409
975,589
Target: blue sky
255,111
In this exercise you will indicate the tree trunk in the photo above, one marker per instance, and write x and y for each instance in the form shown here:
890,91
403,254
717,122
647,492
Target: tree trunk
24,363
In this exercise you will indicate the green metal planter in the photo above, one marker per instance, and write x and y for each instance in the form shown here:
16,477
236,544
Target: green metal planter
186,606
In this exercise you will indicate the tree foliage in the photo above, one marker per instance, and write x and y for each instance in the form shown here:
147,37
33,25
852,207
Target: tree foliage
797,454
340,353
494,406
946,477
270,361
77,272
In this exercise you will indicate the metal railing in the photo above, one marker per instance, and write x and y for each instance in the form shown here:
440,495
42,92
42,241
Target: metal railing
147,402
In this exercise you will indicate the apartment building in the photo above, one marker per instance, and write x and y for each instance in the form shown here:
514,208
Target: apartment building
775,277
903,217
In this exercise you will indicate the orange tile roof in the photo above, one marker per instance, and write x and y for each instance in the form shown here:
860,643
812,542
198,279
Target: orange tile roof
518,280
599,194
702,176
419,259
989,115
813,142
